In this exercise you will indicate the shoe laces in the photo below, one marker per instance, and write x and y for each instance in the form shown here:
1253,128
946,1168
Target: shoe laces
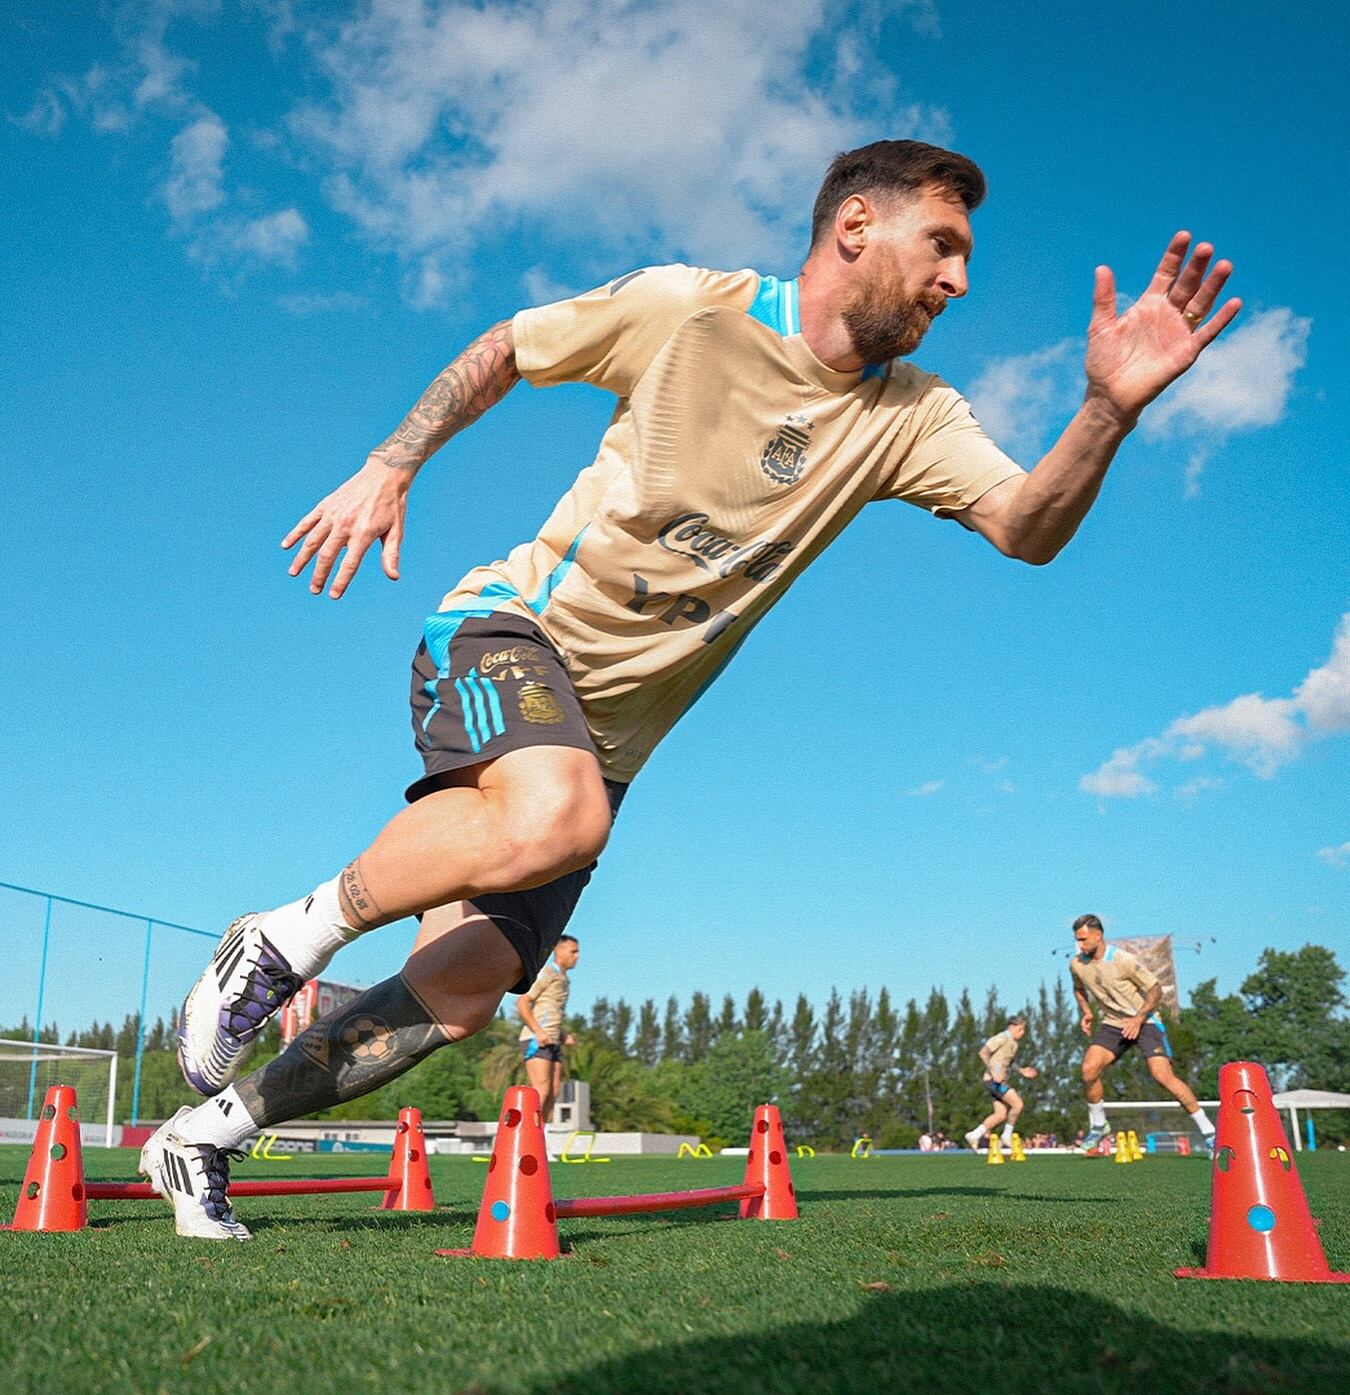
269,983
215,1165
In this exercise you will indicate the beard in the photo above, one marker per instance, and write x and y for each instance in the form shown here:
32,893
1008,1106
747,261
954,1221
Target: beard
885,323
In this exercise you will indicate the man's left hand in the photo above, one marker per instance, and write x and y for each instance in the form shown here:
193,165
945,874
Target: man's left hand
1132,357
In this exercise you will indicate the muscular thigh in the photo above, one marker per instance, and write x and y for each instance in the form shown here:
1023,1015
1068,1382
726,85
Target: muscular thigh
1096,1059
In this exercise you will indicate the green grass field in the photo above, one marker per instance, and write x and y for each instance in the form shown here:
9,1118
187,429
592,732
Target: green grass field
918,1274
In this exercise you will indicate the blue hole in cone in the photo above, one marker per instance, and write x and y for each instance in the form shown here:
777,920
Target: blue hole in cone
1261,1218
500,1211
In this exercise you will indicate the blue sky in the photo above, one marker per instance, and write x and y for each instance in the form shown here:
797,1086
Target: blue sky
243,237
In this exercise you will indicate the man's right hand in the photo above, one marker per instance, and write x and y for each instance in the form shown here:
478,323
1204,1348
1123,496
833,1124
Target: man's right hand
1085,1026
369,506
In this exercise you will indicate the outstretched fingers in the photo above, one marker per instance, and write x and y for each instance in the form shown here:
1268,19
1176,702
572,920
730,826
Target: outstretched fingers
1188,282
1170,265
1208,332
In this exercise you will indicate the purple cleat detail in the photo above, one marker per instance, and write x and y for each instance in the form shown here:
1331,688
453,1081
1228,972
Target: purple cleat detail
246,984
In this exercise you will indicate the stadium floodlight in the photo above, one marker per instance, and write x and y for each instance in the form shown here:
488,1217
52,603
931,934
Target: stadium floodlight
28,1068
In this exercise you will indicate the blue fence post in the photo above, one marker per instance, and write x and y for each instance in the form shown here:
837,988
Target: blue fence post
140,1023
37,1026
1312,1133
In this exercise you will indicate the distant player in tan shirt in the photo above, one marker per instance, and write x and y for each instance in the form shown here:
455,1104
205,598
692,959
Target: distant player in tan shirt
753,419
996,1056
543,1010
1126,997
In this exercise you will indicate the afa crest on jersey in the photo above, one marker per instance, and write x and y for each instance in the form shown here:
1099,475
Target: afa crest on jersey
784,458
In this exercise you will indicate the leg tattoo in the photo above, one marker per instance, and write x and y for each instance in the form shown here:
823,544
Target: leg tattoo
358,1047
359,907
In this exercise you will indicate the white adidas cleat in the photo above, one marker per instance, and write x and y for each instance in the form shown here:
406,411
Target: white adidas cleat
195,1177
973,1139
243,987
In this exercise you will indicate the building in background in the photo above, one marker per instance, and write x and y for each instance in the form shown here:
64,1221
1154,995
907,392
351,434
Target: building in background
317,998
1154,952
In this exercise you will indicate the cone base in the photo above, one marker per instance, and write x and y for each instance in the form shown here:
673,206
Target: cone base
1258,1278
509,1259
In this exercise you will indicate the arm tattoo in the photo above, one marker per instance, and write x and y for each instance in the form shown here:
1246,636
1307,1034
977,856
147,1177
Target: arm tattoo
358,1047
482,375
359,908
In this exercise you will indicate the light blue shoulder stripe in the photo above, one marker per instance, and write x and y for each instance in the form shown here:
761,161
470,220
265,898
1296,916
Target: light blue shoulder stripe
776,305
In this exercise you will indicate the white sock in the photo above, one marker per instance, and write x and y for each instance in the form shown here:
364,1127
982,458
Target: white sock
222,1121
1201,1121
1007,1133
1097,1116
309,932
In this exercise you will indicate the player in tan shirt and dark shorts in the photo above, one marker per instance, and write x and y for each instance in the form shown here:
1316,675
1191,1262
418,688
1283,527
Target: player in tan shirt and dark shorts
1126,997
543,1010
996,1056
754,417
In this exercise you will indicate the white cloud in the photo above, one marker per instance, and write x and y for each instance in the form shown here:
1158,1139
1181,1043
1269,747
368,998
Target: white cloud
927,788
197,155
1260,733
1240,383
1018,399
612,125
276,237
1338,857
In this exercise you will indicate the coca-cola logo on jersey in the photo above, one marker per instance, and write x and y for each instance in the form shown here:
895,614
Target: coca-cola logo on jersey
693,535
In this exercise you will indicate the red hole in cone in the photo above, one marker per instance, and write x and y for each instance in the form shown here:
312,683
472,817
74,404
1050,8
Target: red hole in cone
492,1162
426,1182
402,1126
550,1213
762,1126
413,1155
48,1111
792,1191
77,1191
1245,1101
775,1157
512,1119
750,1156
528,1165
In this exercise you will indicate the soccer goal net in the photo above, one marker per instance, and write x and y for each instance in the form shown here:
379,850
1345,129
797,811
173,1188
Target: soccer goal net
28,1069
1162,1125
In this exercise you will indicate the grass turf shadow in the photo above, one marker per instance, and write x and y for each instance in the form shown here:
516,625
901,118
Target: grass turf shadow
978,1337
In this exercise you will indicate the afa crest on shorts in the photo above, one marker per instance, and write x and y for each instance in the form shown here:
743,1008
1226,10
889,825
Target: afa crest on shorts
784,458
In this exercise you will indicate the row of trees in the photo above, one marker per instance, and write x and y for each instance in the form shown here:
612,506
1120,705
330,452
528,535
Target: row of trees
859,1064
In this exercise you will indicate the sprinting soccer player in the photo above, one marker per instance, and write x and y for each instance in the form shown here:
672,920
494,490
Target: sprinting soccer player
1126,995
542,1009
996,1056
754,418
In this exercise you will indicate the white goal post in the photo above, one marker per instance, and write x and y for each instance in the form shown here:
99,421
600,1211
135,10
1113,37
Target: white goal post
28,1069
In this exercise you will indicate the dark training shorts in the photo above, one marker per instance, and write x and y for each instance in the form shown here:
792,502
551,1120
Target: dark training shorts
532,1051
1151,1041
483,686
997,1088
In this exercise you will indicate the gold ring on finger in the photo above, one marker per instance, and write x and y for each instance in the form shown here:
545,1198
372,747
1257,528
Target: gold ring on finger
1192,316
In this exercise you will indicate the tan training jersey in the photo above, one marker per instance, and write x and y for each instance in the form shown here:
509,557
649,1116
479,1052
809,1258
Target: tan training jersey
548,998
733,458
1002,1047
1117,983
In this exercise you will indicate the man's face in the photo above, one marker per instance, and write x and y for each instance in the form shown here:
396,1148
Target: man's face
913,262
1089,939
1017,1030
567,954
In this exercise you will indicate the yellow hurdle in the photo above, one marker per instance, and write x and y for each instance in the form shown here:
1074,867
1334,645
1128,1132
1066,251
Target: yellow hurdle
862,1147
1122,1147
996,1158
1019,1154
1136,1152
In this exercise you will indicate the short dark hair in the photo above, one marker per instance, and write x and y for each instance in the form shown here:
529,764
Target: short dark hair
573,938
894,167
1090,921
1017,1020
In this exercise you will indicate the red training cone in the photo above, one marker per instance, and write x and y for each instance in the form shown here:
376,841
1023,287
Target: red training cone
516,1219
409,1176
767,1166
1259,1223
52,1196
